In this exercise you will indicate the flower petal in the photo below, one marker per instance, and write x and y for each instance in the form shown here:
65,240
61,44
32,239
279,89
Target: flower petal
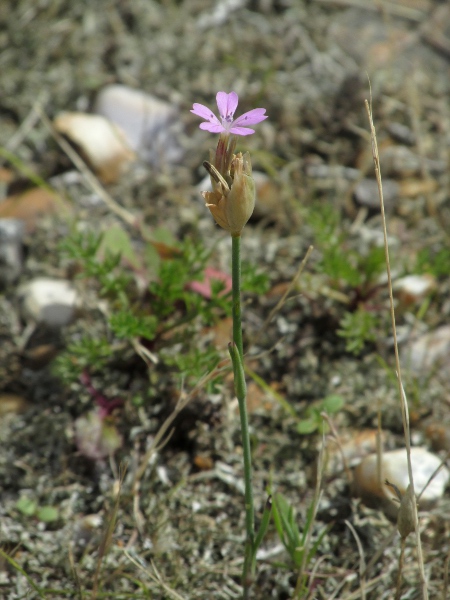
251,117
226,103
204,112
212,127
242,130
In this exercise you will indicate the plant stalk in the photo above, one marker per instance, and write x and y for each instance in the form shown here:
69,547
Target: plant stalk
237,356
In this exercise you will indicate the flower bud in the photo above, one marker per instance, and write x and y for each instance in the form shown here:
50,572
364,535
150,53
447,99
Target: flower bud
232,206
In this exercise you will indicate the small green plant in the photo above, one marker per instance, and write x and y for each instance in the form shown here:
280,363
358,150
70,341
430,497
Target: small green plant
296,542
181,297
345,266
358,328
31,508
313,420
354,272
435,263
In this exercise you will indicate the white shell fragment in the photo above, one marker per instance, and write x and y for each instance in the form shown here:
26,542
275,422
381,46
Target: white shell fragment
395,469
150,125
101,142
49,301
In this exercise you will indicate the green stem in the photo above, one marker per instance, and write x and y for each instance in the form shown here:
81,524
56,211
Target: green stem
237,355
236,278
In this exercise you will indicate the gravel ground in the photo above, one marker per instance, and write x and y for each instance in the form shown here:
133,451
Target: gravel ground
179,523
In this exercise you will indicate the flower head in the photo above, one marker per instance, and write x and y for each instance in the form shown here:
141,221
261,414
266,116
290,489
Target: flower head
227,104
232,205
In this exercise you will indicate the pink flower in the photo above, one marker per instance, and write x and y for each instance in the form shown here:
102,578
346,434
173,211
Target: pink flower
227,104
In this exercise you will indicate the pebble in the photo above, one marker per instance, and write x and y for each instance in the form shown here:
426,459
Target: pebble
11,236
400,161
395,470
353,447
101,142
414,288
151,126
427,351
30,205
366,193
52,302
12,404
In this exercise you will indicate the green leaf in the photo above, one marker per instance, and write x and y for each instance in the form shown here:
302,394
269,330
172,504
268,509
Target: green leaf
307,425
117,241
332,404
47,514
26,506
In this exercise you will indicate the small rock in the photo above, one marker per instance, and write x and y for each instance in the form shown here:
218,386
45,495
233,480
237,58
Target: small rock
150,125
438,435
353,447
401,133
366,193
11,236
86,529
102,143
395,470
12,404
30,205
428,350
413,187
414,288
402,162
49,301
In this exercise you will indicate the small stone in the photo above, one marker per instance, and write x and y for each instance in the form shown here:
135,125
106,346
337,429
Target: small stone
49,301
11,236
401,133
375,493
102,143
353,447
428,351
366,193
400,161
30,205
414,288
151,126
12,404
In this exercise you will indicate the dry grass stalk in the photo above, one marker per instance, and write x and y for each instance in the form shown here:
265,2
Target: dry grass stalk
362,561
403,400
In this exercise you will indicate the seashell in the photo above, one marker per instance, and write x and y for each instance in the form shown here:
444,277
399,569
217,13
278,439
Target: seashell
394,468
151,126
101,142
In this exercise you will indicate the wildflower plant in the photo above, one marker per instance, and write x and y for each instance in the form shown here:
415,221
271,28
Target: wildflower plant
231,203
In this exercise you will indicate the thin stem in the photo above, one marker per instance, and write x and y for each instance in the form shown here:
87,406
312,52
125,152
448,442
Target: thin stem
236,279
237,355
